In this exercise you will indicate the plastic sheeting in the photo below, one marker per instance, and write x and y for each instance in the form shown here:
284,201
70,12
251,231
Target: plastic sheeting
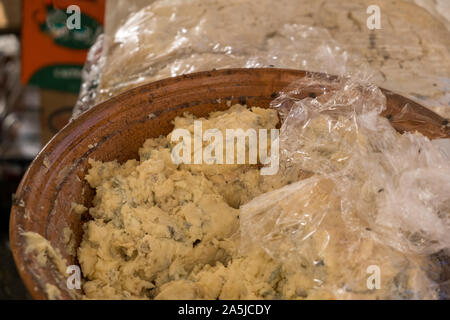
375,197
409,55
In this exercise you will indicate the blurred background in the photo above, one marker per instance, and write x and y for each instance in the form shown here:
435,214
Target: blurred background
45,80
40,77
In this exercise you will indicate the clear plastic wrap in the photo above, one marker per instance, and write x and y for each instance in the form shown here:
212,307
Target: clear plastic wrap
172,37
91,75
375,197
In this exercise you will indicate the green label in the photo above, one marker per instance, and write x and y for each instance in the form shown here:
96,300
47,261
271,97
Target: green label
74,38
62,77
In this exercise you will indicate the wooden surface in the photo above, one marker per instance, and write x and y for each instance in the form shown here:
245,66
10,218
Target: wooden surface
117,128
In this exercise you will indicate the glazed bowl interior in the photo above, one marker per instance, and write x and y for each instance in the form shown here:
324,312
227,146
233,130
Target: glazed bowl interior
117,128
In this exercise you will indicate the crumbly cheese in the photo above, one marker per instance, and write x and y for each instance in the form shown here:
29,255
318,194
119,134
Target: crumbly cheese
69,241
53,292
156,223
44,251
78,208
166,231
45,255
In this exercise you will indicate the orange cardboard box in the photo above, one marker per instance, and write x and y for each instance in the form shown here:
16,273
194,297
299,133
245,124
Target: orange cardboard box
53,52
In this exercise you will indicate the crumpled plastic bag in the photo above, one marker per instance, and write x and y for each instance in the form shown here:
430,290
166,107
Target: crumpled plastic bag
158,42
375,197
150,40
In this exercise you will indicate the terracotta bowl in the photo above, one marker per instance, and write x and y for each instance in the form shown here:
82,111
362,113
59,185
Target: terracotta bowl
117,128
